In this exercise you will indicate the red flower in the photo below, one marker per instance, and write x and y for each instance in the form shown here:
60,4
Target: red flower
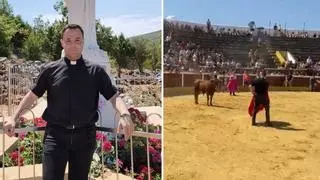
39,122
152,150
14,156
156,156
22,136
140,177
144,170
154,141
101,136
143,177
137,113
158,146
107,146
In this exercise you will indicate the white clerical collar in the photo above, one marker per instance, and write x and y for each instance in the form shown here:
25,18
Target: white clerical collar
74,62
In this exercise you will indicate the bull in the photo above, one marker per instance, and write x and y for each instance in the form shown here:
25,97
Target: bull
207,87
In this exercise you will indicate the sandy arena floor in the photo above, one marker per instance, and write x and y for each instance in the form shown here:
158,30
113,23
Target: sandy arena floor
219,143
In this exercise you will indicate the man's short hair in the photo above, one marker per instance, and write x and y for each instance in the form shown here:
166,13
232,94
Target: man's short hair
72,26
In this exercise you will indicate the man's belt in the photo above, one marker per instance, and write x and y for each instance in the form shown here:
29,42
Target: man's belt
71,127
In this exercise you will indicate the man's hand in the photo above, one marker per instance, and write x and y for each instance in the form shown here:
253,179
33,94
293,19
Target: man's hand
126,124
26,103
9,126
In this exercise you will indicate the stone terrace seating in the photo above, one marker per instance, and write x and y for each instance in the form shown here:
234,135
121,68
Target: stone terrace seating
236,47
302,47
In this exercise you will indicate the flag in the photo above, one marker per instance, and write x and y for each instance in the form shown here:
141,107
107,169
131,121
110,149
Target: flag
251,106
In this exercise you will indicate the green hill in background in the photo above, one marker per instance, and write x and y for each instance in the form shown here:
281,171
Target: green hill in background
153,36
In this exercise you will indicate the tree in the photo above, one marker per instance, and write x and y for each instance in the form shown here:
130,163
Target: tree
62,10
4,50
23,40
105,39
5,8
155,54
8,29
22,33
53,33
121,52
141,53
53,46
14,31
40,26
32,48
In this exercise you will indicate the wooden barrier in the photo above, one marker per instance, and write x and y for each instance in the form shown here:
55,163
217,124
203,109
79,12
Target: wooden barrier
187,79
172,80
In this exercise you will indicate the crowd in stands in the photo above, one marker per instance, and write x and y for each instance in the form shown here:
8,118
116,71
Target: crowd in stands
190,57
303,64
186,56
200,28
279,32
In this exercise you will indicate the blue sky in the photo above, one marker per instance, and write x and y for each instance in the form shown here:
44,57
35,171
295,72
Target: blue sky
293,13
132,17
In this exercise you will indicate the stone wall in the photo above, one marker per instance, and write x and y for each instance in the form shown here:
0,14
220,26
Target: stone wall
22,76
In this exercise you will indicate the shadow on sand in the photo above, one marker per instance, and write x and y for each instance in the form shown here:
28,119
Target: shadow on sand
217,106
225,107
282,125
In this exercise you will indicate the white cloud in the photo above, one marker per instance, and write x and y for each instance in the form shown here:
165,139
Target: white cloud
129,25
132,25
170,17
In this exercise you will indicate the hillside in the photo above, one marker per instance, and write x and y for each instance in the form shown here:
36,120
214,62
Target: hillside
153,36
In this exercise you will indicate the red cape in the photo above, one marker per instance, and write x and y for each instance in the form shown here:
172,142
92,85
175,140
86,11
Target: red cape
251,106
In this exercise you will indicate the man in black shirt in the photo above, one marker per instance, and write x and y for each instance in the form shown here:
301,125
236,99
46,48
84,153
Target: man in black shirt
289,79
73,85
313,83
259,88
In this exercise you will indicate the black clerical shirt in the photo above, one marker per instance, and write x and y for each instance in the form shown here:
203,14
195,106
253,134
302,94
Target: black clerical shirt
73,91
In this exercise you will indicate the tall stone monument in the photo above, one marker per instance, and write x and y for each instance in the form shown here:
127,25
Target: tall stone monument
83,13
